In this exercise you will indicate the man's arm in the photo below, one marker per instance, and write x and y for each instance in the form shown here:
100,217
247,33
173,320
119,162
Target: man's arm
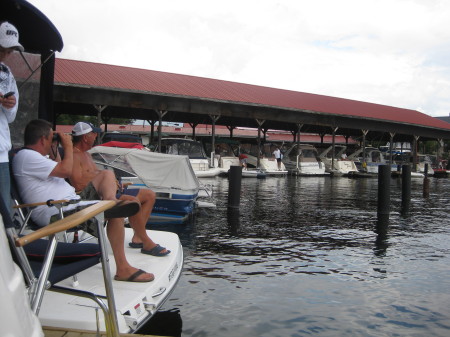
64,167
10,105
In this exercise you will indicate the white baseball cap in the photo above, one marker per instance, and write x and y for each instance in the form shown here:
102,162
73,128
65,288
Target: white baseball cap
82,128
9,36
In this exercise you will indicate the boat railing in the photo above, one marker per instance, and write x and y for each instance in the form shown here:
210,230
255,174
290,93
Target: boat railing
39,284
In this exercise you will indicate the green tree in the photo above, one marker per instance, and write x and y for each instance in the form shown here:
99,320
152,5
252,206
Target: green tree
65,119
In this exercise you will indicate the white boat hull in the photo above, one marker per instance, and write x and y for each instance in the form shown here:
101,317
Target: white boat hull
136,302
17,318
339,167
208,173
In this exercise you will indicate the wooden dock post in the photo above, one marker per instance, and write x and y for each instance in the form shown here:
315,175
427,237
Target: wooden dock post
426,183
234,186
384,198
406,189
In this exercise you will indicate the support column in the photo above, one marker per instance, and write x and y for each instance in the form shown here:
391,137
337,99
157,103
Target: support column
152,130
364,163
193,126
231,128
322,135
294,136
260,122
99,109
214,119
264,131
334,129
414,152
299,127
440,146
391,146
161,114
106,121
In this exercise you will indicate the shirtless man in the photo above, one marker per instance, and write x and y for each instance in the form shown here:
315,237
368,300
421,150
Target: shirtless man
85,173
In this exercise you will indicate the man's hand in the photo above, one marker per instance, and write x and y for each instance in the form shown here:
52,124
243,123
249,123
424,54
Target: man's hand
8,102
66,141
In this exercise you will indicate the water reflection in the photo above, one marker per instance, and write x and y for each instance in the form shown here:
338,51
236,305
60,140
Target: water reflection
310,256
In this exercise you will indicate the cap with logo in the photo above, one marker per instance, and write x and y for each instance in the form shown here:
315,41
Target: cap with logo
9,36
82,128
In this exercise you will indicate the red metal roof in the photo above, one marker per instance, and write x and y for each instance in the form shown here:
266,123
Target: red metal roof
142,80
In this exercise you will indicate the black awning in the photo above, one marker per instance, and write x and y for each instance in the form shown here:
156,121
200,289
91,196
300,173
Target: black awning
37,34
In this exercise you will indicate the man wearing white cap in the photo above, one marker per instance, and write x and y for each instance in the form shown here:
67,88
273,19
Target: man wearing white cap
87,177
9,102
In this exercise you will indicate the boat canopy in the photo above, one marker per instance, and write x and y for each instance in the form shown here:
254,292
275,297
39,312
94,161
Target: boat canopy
156,170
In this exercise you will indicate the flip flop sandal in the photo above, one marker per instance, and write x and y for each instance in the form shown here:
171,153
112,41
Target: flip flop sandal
133,277
136,244
155,251
123,209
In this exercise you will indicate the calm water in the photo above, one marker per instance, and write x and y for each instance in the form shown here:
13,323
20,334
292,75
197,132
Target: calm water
306,256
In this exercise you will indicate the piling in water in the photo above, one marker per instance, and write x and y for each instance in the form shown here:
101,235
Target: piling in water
406,189
234,186
426,183
384,198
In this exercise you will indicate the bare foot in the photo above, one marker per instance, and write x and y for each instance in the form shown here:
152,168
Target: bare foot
137,276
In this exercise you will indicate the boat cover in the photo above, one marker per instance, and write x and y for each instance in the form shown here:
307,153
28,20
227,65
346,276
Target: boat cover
156,170
127,145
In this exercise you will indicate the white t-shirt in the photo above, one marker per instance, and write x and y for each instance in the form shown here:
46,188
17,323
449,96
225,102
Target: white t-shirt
277,153
32,173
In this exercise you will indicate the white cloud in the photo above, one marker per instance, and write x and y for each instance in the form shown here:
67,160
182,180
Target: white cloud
392,52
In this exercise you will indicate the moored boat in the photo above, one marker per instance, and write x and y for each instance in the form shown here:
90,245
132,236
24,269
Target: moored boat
170,176
194,151
337,164
267,164
369,161
223,156
303,160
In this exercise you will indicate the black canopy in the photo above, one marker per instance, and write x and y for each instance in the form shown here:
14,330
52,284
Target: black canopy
36,32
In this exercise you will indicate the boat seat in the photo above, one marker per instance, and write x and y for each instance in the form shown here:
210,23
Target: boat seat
69,258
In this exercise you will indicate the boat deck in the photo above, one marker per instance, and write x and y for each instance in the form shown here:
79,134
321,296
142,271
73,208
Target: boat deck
56,332
135,302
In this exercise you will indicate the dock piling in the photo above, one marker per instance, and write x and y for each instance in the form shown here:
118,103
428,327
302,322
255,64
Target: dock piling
406,189
384,198
234,186
426,183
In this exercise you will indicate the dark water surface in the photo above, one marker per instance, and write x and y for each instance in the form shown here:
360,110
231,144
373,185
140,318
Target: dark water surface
306,256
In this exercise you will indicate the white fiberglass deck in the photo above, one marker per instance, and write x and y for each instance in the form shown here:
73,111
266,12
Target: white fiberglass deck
135,302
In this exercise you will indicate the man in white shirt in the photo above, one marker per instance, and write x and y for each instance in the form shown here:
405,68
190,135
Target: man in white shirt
278,156
40,178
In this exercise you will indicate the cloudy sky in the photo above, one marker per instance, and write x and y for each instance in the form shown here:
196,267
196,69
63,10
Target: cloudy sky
392,52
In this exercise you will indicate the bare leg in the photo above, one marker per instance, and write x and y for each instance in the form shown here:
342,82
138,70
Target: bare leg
116,236
105,184
139,220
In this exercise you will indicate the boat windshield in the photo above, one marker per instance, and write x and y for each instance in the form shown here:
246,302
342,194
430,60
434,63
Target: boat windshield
222,149
118,163
192,149
309,153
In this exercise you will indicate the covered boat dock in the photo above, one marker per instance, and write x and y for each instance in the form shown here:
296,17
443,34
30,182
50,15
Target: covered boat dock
106,91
